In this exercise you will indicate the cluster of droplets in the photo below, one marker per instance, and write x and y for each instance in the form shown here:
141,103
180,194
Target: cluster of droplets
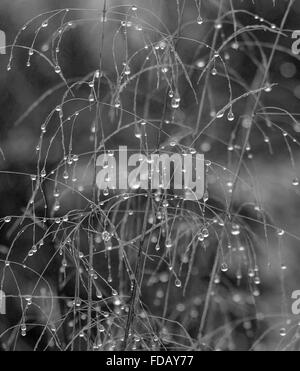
175,103
203,234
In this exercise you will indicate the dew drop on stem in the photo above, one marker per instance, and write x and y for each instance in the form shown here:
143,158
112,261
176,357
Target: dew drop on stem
178,283
218,25
224,267
127,70
214,71
7,219
199,19
280,232
230,116
283,332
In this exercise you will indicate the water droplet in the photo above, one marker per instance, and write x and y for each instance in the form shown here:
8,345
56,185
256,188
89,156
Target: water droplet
235,45
69,160
77,302
217,280
214,71
230,116
23,330
165,204
56,206
168,243
91,98
106,236
251,273
66,175
193,151
205,232
127,70
175,104
178,283
137,132
75,158
224,267
117,103
200,237
218,25
283,332
199,19
45,24
7,219
28,299
57,69
43,128
257,280
235,230
256,292
200,63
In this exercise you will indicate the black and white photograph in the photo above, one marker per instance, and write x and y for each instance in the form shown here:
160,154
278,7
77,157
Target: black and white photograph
149,178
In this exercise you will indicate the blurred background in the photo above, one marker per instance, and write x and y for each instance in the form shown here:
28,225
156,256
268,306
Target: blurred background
202,36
